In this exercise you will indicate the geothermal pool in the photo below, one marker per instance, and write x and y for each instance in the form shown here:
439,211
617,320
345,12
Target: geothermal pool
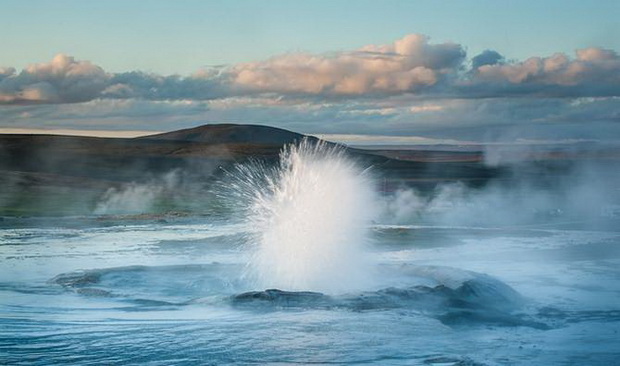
306,272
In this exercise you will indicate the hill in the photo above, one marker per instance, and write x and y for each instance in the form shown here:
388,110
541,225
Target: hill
231,134
60,175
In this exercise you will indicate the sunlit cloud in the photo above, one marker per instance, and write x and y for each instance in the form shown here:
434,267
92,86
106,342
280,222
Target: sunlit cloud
62,80
410,65
592,72
411,85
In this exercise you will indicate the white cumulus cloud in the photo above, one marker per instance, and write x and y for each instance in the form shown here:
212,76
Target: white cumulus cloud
407,65
62,80
593,72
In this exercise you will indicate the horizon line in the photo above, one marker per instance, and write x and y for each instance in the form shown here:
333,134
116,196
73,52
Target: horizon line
78,132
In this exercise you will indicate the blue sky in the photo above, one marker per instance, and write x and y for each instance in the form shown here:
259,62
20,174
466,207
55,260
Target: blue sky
245,62
172,37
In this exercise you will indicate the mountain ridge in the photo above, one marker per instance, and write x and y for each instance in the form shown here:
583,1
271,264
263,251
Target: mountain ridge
59,174
230,133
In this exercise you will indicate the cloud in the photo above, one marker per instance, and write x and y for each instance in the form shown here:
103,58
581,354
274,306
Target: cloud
593,72
63,80
107,114
487,57
426,108
142,85
6,72
408,65
470,119
409,86
66,80
411,65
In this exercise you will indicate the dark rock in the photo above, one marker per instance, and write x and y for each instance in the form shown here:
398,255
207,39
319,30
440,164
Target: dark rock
77,279
279,298
95,292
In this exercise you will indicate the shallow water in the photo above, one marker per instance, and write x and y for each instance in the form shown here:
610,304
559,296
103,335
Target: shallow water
173,293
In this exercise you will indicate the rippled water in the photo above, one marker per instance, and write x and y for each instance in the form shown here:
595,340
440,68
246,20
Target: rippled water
92,292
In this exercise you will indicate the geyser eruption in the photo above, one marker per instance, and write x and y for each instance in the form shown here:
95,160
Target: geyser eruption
310,215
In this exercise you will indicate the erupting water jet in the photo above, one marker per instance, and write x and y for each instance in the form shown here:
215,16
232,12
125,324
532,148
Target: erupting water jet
310,216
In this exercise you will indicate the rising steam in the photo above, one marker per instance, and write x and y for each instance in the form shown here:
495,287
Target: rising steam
134,197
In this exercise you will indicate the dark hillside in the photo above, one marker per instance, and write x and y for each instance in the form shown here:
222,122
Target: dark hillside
48,174
231,134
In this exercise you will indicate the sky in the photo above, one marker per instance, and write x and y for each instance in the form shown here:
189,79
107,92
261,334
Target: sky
457,70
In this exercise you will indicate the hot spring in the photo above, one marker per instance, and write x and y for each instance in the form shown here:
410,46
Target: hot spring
305,270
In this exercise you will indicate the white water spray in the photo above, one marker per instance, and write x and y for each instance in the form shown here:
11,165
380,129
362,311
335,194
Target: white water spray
311,217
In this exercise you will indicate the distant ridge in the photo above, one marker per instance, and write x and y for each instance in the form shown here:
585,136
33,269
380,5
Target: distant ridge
69,175
230,133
